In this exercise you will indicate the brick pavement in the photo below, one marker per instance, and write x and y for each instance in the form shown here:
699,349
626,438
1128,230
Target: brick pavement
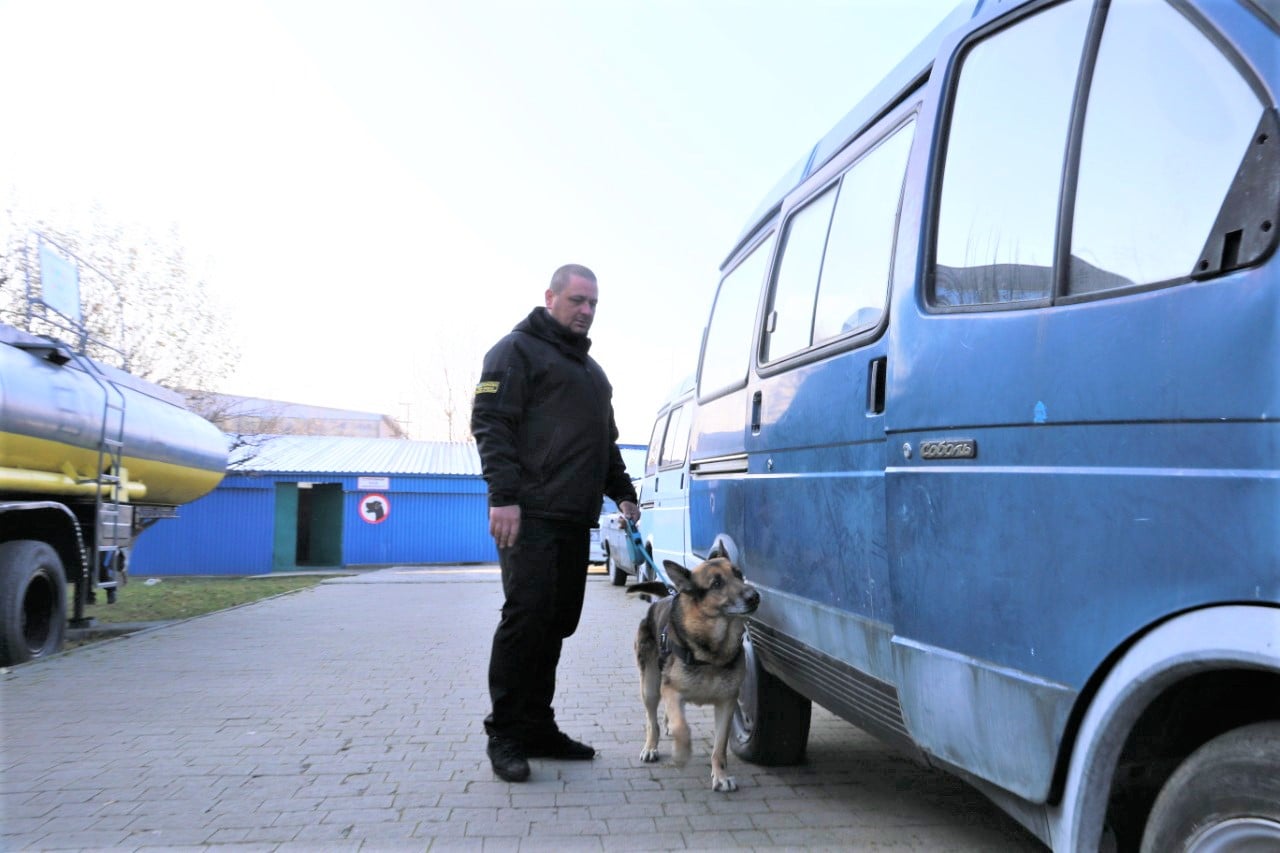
347,717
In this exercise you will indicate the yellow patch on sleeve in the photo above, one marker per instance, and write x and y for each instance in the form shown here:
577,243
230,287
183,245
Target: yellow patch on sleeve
487,388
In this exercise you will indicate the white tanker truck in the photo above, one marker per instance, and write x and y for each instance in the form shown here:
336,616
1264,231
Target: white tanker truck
89,457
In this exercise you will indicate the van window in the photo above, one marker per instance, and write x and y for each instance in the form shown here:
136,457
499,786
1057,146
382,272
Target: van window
855,269
789,324
655,446
1007,140
833,274
1168,123
730,331
677,443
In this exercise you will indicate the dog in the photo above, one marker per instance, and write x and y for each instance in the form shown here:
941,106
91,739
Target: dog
689,649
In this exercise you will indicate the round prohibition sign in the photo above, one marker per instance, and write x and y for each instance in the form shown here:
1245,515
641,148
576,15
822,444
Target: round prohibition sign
374,508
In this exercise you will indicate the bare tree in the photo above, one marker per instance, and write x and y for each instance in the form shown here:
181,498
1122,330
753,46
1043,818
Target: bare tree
13,251
445,382
143,307
453,395
249,426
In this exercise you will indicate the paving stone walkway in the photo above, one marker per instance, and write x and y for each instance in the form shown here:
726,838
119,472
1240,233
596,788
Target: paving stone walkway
347,717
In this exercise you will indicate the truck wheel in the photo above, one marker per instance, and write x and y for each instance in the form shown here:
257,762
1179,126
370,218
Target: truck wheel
1224,796
33,601
617,575
771,723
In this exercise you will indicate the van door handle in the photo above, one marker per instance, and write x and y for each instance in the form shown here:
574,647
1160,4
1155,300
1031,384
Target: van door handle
755,413
877,373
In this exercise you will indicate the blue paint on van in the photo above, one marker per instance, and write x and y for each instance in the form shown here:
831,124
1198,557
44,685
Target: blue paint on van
664,488
1071,203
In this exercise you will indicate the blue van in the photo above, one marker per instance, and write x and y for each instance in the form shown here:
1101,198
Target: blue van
988,408
664,491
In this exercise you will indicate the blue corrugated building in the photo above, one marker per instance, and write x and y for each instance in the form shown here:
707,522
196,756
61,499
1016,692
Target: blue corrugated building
323,501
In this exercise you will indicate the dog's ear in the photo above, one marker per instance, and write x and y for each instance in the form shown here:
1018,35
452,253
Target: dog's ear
718,550
680,576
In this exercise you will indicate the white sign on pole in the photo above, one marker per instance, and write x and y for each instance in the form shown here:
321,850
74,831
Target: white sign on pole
59,284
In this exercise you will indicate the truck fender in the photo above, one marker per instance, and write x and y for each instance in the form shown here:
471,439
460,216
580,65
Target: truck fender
1232,636
46,521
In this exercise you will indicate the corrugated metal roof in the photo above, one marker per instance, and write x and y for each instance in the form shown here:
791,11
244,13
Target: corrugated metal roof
308,454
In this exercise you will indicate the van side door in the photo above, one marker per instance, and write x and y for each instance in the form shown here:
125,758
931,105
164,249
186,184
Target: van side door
814,526
717,453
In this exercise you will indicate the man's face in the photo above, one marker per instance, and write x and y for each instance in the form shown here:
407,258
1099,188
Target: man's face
575,306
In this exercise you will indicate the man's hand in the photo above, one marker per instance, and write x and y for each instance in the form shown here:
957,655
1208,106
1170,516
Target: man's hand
630,510
504,524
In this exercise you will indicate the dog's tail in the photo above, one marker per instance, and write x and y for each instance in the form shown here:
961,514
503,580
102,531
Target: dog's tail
657,589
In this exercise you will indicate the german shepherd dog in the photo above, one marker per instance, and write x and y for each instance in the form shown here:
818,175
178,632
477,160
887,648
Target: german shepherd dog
689,649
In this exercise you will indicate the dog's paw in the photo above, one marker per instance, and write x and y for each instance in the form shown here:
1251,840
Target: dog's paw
648,756
725,783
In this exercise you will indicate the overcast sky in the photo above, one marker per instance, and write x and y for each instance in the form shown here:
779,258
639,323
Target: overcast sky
379,188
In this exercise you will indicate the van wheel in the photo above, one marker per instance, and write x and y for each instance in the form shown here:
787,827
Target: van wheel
771,722
1224,796
617,576
33,601
644,570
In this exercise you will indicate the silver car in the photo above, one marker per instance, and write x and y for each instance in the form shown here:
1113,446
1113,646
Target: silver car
597,555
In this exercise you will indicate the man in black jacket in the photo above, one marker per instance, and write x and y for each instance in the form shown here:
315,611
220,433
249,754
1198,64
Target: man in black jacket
543,423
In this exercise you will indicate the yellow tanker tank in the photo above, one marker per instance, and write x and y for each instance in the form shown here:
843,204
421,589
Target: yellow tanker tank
59,412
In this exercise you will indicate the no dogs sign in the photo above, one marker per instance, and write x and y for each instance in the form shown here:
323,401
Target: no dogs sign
374,508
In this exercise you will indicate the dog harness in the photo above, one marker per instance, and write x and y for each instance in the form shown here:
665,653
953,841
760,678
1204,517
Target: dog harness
671,643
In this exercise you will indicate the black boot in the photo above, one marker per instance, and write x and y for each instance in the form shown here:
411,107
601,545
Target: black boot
508,759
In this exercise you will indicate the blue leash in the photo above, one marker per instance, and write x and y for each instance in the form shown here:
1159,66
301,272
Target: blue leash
640,554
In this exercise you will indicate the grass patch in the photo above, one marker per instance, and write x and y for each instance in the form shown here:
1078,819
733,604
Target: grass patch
184,597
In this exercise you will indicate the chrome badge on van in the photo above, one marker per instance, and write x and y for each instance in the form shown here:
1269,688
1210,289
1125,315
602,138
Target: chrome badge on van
952,448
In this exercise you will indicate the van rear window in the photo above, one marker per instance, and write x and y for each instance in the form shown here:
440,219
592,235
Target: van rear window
1168,123
1168,129
1005,151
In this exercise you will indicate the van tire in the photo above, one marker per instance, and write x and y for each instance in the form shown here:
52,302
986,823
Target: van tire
617,576
1227,792
33,601
645,572
770,724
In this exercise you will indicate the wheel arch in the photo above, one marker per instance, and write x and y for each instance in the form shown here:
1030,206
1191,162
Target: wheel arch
724,544
50,522
1174,688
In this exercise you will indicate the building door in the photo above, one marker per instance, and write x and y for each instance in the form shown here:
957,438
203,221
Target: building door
308,525
284,550
319,527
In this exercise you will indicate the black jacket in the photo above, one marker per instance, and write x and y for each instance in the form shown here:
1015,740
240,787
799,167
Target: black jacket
543,422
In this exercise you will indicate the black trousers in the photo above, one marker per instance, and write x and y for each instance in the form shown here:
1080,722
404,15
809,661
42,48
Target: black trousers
544,578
